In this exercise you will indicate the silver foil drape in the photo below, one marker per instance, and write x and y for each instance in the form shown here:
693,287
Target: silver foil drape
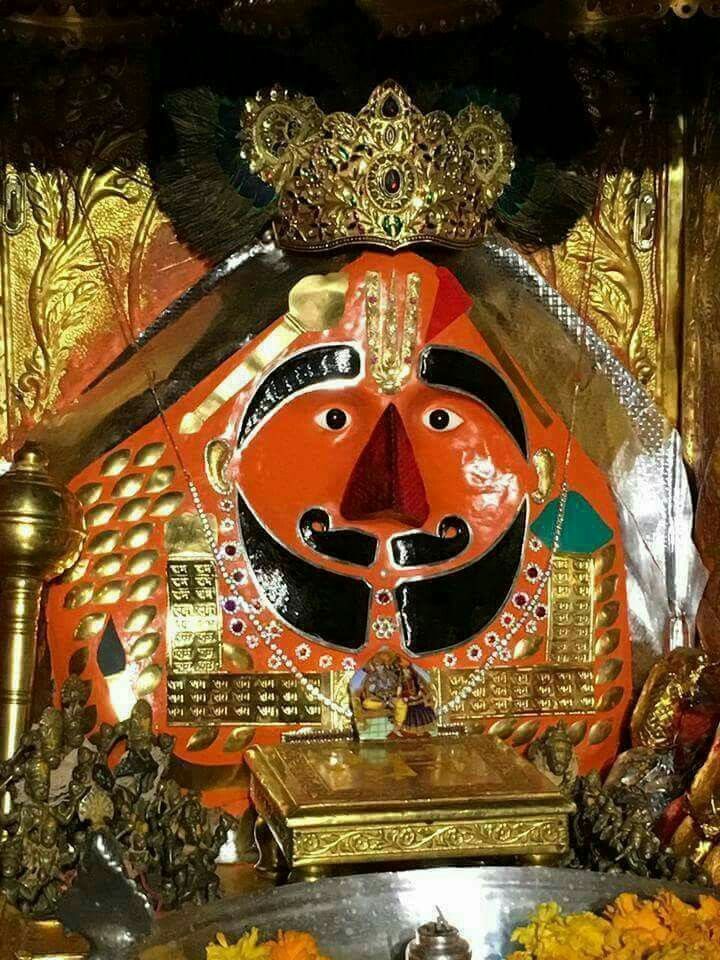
665,576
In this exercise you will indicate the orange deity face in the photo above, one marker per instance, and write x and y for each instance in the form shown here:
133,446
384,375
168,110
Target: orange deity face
379,460
380,494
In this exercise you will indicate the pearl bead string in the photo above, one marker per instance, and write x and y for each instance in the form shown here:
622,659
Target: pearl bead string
268,633
501,649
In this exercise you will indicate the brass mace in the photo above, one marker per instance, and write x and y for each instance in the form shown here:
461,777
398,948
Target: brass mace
42,530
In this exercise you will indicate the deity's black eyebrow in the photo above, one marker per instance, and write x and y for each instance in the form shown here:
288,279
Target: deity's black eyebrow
317,365
466,373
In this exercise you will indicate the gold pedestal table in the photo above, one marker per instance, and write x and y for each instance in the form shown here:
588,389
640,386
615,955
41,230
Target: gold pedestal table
328,804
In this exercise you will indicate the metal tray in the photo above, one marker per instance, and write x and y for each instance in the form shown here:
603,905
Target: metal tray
372,916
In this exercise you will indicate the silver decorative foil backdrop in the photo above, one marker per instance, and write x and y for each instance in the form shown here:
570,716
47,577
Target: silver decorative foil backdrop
619,425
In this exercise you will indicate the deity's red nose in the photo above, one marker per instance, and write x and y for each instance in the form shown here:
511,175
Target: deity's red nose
386,480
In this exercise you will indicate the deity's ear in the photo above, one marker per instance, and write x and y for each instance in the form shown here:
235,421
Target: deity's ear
217,458
544,461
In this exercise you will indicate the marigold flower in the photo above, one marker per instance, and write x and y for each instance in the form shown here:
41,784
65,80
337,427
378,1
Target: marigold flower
247,948
294,945
664,928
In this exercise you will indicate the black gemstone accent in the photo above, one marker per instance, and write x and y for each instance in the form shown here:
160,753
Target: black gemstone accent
390,107
110,652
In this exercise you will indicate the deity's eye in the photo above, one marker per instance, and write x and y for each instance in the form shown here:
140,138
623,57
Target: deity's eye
333,419
441,420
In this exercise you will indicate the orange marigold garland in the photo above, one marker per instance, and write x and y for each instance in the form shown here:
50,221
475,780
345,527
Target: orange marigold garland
289,945
294,945
664,928
630,928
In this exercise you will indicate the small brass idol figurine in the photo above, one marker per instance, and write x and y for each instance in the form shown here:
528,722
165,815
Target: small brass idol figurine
41,533
63,789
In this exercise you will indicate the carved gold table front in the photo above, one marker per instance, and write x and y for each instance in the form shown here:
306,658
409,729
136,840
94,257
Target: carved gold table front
332,803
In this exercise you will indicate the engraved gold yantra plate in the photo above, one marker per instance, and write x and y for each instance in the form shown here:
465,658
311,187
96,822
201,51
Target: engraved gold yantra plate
337,802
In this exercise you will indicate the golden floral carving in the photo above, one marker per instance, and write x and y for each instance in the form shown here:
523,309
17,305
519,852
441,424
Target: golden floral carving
618,272
439,837
68,275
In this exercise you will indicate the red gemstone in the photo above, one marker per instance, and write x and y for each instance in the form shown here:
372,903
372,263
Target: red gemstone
391,181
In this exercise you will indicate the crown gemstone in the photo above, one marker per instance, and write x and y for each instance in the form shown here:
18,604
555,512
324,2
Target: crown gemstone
392,181
392,226
390,107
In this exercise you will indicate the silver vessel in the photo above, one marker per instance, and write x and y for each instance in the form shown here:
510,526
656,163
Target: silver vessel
438,940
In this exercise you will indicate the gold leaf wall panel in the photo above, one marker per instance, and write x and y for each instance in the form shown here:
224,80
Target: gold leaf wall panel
6,341
619,268
701,347
76,284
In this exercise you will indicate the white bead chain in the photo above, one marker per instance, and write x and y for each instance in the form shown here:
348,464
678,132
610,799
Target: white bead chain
501,645
269,632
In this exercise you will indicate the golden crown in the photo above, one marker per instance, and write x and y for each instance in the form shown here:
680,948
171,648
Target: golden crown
389,176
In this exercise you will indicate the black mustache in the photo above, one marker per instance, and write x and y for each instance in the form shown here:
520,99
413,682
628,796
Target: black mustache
349,546
421,549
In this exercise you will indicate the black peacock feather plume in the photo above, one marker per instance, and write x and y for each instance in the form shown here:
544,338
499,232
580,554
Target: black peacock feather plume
217,204
214,202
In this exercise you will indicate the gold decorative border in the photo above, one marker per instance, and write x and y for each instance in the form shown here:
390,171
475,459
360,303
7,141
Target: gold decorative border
440,838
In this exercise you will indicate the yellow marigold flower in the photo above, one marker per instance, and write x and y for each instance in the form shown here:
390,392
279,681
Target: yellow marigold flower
664,928
551,936
247,948
294,945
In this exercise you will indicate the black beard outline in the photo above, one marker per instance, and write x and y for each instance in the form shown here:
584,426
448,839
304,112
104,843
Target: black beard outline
436,613
449,609
329,607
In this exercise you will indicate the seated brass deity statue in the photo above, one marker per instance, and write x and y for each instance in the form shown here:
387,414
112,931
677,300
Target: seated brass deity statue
395,467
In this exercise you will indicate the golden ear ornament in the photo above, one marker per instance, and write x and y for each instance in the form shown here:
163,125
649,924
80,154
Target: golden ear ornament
544,463
217,457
